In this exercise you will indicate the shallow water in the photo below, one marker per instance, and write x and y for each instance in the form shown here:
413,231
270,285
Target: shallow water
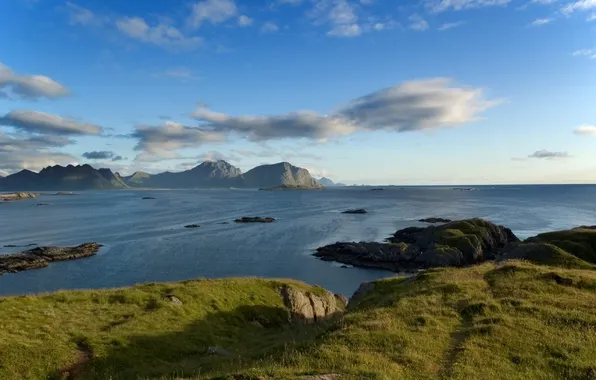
145,240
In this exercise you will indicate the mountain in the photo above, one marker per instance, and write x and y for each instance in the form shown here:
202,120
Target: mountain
208,174
80,177
329,183
325,182
279,174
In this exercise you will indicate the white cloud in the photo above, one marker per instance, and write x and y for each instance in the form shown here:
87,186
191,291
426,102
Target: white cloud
590,53
581,5
39,122
33,160
418,23
410,106
214,11
591,17
81,16
269,27
245,21
162,34
346,30
541,21
162,141
586,130
30,86
549,155
450,25
457,5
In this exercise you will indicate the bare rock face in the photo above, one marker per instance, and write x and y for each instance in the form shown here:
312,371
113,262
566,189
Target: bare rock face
308,308
39,257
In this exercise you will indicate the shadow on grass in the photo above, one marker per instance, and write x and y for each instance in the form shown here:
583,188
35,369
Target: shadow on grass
221,343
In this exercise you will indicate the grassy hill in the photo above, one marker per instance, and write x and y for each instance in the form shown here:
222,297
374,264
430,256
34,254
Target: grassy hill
507,319
491,321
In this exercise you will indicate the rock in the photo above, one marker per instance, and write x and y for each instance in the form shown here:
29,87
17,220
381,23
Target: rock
40,257
308,308
10,246
255,219
213,350
148,198
435,220
453,244
363,289
192,226
373,255
17,196
344,266
174,300
223,223
43,204
355,211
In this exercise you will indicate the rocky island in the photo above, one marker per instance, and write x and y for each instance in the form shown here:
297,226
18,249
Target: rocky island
254,219
40,257
7,197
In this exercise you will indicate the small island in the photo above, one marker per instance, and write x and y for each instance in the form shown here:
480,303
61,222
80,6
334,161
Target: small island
40,257
254,219
7,197
355,211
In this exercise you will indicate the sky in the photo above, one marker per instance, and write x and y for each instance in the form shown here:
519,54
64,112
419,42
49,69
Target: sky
413,92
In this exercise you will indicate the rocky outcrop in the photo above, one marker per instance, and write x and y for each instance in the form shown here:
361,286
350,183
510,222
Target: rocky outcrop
16,196
41,256
254,219
308,308
192,226
435,220
453,244
355,211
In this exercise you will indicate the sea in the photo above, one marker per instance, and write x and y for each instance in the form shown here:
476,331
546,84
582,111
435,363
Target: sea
144,240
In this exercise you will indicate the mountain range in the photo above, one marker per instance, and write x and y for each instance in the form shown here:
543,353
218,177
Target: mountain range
209,174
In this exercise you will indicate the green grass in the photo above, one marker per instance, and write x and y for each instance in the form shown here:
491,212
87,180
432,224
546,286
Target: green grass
491,321
579,242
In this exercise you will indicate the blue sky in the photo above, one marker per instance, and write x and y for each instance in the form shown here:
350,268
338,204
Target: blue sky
361,91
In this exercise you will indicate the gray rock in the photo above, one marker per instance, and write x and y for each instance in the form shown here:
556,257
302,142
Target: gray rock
308,308
192,226
363,290
254,219
174,300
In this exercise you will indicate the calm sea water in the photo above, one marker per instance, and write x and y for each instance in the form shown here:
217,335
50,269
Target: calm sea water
145,240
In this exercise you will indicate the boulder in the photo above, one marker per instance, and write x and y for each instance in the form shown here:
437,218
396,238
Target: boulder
307,307
192,226
254,219
16,196
148,198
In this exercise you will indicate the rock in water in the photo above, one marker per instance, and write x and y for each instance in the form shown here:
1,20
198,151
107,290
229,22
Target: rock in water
355,211
254,219
453,244
192,226
16,196
40,257
148,198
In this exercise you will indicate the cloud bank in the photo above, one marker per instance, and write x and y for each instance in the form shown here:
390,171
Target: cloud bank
39,122
30,86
